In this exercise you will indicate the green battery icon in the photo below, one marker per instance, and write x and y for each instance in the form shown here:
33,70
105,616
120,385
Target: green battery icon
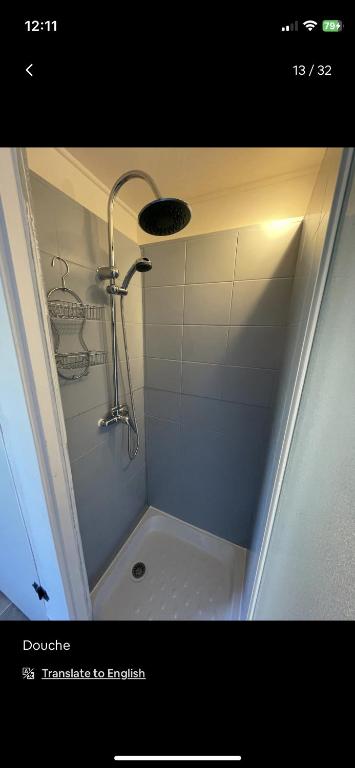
332,25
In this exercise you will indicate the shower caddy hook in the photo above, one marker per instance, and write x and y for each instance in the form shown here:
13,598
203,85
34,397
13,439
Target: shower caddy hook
56,334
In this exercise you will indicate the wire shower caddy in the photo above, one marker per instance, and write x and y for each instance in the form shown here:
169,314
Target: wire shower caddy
80,360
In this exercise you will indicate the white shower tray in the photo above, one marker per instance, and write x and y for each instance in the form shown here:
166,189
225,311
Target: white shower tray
189,574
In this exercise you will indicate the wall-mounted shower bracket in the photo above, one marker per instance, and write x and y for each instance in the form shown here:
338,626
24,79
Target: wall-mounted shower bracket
107,273
115,290
110,273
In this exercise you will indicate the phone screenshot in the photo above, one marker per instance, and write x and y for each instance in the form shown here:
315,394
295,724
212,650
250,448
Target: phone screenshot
177,432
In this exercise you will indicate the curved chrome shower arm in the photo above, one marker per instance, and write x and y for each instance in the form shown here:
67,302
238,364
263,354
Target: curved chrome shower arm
179,217
114,191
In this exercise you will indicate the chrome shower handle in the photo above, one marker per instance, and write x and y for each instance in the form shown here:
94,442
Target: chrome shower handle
118,415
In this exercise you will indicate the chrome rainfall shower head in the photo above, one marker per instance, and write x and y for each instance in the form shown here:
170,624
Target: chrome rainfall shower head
164,216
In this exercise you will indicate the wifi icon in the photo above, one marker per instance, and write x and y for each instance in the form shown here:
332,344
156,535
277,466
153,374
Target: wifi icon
310,24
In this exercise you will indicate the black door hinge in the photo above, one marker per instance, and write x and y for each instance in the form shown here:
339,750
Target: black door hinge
42,594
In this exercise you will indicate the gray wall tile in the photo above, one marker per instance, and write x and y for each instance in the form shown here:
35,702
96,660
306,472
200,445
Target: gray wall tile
261,302
135,340
237,384
105,519
267,252
208,304
256,347
91,390
163,341
248,385
205,343
133,302
137,373
219,486
163,374
82,236
241,421
168,260
164,305
211,259
83,431
162,405
202,379
45,200
164,476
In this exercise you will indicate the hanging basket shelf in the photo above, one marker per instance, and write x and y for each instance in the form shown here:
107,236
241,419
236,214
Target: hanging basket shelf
73,310
70,360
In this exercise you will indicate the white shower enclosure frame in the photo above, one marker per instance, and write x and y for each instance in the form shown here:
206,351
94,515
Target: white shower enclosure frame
20,274
54,537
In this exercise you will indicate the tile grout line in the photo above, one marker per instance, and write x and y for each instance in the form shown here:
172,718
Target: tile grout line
221,282
216,365
214,399
183,324
231,301
217,400
216,325
235,257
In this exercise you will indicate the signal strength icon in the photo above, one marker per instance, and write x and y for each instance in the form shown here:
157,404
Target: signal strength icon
293,27
310,24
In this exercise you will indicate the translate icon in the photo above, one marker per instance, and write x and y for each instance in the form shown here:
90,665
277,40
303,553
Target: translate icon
28,673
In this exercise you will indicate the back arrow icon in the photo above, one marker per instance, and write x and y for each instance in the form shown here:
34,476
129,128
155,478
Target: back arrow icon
28,69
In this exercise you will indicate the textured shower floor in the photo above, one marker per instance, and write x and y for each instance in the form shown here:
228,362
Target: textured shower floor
189,574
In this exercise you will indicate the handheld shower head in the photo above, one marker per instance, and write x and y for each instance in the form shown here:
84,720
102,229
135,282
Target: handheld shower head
144,264
141,265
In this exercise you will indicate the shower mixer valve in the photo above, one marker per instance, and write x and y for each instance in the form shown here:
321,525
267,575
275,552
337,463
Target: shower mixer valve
119,414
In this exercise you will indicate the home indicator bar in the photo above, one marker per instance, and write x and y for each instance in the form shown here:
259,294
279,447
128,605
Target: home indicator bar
225,758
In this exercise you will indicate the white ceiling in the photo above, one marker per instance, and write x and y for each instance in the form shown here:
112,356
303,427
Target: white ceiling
193,172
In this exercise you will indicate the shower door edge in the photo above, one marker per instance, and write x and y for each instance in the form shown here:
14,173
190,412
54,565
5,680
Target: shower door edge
26,305
341,187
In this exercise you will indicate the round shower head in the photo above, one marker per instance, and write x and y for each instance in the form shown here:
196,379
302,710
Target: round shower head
144,264
141,265
164,216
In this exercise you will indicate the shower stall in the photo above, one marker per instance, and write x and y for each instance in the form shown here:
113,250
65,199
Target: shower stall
176,406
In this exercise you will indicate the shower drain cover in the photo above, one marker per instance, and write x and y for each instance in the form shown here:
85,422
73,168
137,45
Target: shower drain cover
138,570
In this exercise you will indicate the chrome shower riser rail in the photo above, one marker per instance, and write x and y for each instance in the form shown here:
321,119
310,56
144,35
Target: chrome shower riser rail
161,217
119,411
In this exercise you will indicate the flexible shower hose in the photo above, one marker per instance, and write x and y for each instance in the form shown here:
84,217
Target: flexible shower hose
133,426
